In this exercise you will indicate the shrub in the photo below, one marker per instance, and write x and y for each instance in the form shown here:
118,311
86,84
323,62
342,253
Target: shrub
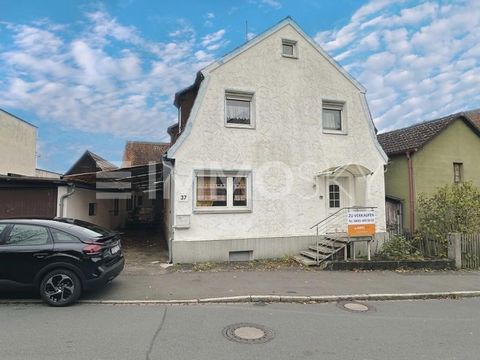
452,208
399,248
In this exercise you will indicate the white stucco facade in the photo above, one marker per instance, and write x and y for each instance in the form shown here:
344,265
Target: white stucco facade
76,206
17,145
282,154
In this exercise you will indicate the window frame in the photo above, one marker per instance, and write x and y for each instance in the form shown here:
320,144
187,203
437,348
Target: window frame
95,209
229,175
460,172
335,200
240,95
293,44
338,106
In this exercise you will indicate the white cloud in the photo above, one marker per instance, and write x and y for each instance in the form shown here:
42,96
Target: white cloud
107,78
414,59
272,3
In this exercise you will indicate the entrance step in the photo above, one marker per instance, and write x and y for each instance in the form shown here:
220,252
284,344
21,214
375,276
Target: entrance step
316,254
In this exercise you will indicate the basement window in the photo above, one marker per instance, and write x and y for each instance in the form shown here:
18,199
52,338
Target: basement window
222,191
239,109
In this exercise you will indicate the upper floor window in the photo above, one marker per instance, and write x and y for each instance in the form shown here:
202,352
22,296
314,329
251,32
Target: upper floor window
289,48
239,109
457,172
332,116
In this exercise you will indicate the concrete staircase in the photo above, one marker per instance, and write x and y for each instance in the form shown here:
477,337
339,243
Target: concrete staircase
328,246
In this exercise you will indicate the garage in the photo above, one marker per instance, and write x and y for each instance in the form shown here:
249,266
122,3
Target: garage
27,198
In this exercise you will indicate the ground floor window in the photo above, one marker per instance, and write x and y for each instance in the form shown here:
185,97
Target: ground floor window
222,191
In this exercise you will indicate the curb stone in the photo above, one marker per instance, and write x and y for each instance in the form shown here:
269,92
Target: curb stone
273,299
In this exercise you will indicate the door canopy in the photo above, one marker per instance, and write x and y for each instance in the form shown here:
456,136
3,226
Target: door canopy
352,169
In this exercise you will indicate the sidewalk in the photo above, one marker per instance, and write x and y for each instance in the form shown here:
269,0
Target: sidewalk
198,285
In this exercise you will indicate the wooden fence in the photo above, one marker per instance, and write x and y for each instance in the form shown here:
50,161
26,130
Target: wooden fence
470,248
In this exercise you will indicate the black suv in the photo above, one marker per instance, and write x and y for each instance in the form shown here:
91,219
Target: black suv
60,257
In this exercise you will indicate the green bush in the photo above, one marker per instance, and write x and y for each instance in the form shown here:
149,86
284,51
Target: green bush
452,208
399,248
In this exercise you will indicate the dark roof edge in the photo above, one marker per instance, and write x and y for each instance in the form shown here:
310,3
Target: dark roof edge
18,118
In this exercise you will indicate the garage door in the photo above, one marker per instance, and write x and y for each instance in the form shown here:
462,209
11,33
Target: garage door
37,203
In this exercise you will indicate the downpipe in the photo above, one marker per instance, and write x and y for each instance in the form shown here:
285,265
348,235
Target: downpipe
64,196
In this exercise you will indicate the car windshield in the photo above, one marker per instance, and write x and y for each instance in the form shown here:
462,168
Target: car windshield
88,229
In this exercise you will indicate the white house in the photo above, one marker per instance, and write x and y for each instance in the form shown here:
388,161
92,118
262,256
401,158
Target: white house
271,139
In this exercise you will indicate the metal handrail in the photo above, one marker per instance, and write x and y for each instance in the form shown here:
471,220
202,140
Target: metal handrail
342,209
329,218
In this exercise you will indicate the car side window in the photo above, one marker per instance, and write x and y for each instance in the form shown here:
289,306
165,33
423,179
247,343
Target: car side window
2,229
63,237
23,234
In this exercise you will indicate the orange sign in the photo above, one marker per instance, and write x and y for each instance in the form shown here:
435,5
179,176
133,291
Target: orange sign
361,223
361,230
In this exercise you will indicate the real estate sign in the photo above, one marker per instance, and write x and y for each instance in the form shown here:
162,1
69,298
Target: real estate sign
361,223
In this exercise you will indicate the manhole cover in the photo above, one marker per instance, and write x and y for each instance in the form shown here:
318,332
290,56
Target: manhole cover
354,306
246,333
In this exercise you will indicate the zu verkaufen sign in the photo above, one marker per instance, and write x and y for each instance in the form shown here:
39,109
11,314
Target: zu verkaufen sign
361,223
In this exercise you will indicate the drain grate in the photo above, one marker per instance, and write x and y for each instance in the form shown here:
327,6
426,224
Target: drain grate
247,333
354,306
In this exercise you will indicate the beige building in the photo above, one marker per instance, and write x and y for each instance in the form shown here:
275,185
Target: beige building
17,145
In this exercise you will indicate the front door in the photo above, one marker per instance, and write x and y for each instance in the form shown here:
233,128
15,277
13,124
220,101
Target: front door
338,197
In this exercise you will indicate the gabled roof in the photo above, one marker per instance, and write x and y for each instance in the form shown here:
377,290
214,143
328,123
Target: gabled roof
202,78
90,162
142,152
286,21
416,136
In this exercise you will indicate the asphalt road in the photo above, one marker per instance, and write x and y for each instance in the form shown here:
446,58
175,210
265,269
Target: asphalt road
437,329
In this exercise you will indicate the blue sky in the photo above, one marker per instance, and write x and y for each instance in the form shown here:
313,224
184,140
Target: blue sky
92,75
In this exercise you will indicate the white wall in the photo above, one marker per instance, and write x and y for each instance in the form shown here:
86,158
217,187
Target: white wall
288,133
17,146
76,206
47,174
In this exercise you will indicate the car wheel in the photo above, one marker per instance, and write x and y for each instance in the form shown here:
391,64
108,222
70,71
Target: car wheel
60,287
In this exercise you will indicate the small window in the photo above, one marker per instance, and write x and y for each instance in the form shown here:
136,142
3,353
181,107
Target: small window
332,116
239,191
115,207
24,235
238,109
92,209
457,172
289,48
63,237
334,196
211,191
